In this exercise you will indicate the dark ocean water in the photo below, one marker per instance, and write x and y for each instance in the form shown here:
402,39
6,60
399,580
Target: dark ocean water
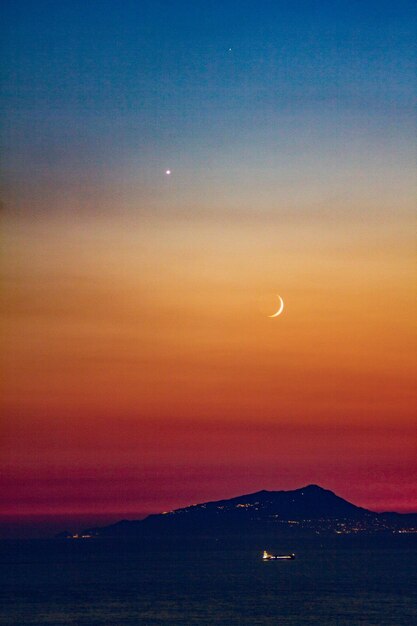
343,582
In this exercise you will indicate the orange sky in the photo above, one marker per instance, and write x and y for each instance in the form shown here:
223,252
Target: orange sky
146,349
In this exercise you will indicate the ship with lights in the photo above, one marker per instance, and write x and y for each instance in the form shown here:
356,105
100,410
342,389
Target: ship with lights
266,556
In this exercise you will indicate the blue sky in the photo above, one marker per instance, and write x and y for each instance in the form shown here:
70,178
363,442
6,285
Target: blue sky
99,88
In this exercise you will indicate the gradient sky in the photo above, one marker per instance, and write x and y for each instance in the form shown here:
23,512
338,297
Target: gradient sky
141,370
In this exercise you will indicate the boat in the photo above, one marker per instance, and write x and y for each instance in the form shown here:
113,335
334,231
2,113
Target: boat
277,557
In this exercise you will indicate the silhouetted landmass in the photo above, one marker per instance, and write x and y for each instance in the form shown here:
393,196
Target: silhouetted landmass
308,510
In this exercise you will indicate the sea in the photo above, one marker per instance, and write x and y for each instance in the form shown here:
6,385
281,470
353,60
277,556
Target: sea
340,581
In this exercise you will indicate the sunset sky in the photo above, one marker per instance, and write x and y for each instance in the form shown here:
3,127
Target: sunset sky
141,371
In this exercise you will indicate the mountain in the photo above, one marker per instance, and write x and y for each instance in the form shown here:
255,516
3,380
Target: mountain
309,509
311,502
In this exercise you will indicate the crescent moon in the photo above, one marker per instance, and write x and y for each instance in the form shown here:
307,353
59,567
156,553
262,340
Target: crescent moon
281,308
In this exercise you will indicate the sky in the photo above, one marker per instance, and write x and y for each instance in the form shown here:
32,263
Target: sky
141,369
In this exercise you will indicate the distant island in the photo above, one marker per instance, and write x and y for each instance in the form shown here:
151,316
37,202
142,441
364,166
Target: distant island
305,511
